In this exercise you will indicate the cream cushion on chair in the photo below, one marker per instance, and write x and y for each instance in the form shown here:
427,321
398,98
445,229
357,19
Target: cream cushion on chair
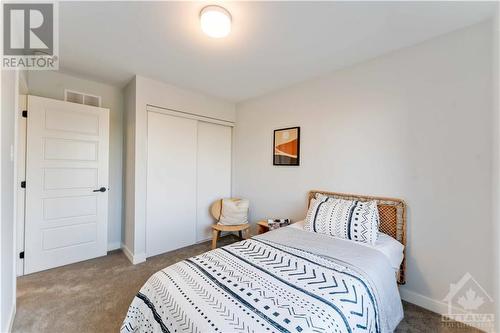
234,212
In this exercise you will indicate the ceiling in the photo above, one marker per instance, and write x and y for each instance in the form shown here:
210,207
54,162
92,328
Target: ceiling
272,44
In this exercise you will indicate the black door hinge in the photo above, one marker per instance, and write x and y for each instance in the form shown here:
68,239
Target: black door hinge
21,255
23,184
25,113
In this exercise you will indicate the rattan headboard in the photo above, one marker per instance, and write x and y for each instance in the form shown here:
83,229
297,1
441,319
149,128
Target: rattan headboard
392,214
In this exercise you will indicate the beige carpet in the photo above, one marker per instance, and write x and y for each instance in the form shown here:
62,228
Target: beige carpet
94,295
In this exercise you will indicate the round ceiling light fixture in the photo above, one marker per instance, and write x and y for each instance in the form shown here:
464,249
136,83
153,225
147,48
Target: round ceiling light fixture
215,21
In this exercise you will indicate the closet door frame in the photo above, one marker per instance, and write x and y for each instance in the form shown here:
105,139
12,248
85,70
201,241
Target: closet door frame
187,115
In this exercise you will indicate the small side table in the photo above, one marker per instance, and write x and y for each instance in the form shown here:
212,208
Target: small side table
262,227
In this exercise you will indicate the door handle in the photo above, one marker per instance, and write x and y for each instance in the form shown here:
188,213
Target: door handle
102,189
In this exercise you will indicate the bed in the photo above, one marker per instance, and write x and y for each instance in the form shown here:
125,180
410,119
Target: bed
287,280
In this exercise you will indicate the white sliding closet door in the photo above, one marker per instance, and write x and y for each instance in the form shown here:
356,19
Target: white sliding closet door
171,184
214,172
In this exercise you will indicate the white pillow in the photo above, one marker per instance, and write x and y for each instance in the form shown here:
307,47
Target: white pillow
234,212
390,247
348,219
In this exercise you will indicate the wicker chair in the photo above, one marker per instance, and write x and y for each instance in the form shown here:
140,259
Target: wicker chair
215,211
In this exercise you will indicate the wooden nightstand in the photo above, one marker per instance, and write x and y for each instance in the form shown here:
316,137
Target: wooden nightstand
262,227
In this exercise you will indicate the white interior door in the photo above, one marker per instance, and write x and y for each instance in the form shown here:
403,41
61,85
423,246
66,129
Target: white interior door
66,162
171,184
214,172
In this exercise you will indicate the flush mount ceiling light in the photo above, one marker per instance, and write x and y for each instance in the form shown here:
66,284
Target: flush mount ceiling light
215,21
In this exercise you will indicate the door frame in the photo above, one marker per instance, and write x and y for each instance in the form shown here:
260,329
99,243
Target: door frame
188,115
21,176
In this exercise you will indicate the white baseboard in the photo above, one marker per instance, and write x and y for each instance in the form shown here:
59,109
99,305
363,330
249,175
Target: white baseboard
12,317
222,234
430,304
423,301
203,240
134,259
114,246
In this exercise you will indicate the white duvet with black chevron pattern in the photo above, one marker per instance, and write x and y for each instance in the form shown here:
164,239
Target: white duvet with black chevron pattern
258,285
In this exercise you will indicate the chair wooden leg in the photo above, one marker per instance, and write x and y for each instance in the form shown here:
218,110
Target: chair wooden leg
240,234
215,235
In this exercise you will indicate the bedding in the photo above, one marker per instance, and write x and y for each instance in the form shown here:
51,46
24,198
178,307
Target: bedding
387,245
350,219
287,280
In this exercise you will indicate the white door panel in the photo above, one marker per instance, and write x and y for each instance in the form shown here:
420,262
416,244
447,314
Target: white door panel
171,183
214,172
70,178
67,160
76,122
60,237
74,150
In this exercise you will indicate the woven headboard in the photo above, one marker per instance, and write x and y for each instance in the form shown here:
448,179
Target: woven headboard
392,214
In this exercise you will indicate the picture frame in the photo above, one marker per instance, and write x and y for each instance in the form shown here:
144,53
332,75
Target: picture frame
286,146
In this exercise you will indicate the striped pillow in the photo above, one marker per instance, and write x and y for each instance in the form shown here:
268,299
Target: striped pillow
354,220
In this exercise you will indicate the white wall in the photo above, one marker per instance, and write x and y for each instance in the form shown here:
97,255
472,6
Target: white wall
51,84
496,156
140,93
414,124
9,102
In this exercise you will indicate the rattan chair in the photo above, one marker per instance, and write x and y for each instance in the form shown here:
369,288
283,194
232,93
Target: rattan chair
215,211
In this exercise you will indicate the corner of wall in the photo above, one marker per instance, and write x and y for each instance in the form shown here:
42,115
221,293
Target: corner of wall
133,258
495,195
142,91
129,165
12,317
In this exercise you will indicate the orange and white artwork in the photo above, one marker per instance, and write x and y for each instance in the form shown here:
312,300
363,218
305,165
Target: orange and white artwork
286,146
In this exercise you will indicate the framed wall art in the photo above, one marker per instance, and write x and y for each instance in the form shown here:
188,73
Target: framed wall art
286,146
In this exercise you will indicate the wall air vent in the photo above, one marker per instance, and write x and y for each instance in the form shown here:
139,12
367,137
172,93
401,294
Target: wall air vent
81,98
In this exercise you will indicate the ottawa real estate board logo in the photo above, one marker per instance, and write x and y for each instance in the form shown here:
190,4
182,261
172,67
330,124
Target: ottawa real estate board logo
30,35
467,302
